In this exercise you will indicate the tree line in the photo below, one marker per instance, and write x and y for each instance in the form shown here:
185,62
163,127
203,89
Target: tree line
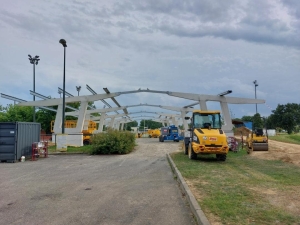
283,118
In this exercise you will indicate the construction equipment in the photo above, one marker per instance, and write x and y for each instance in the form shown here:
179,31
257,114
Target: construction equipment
205,135
139,135
153,133
87,133
170,134
257,140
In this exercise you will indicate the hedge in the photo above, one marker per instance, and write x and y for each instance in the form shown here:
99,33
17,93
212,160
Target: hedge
112,142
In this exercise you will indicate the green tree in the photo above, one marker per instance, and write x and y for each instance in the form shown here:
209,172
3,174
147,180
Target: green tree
287,116
150,124
45,117
16,113
271,122
258,121
247,118
131,124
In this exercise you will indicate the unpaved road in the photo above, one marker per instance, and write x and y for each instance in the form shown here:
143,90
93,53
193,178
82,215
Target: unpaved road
286,152
137,188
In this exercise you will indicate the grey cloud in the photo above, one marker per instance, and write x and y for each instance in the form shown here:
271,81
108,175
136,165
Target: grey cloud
235,20
206,10
29,23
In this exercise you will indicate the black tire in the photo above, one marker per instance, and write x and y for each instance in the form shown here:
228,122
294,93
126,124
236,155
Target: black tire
221,157
162,139
185,149
191,153
86,142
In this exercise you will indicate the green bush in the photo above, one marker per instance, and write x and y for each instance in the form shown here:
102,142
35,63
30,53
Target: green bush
112,142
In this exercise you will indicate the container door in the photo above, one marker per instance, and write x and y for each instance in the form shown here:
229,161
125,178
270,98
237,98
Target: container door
7,141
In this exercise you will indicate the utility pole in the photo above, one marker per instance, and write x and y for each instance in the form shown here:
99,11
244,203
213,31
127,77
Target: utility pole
255,85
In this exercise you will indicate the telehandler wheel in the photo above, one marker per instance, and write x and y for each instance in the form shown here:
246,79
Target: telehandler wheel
221,157
192,154
185,148
86,142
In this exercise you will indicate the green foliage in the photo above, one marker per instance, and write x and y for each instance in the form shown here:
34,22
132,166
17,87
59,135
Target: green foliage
13,113
247,118
131,124
258,121
150,124
287,116
112,142
44,117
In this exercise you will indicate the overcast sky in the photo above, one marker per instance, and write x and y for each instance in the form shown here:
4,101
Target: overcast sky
193,46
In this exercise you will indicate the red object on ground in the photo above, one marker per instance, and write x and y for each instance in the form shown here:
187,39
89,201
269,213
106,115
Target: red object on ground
38,149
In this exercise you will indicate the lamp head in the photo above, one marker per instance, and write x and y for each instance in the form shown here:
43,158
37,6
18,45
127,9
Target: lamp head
63,42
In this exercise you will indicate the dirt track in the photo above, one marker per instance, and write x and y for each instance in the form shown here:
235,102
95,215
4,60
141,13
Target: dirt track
281,151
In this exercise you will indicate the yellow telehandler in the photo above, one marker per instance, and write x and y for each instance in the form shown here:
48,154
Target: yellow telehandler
206,135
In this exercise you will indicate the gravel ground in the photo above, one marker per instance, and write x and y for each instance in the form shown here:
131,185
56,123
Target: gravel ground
137,188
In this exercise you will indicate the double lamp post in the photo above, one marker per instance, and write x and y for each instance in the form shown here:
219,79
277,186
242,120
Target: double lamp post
34,61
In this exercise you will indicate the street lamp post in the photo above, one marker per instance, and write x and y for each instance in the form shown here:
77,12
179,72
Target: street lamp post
34,61
64,44
255,85
78,89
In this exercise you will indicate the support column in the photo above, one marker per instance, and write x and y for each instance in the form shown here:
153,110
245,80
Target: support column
184,122
227,127
81,123
117,125
58,120
173,120
101,122
203,104
112,120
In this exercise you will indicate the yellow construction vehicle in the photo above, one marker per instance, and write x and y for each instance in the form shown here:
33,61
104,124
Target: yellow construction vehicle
139,135
257,140
92,126
205,135
153,133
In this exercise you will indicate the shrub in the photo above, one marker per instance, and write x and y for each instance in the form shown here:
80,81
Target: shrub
112,142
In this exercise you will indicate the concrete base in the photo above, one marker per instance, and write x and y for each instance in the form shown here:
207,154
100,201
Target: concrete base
61,142
75,140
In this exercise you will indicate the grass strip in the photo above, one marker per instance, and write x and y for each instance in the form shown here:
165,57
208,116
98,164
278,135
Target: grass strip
287,138
238,191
